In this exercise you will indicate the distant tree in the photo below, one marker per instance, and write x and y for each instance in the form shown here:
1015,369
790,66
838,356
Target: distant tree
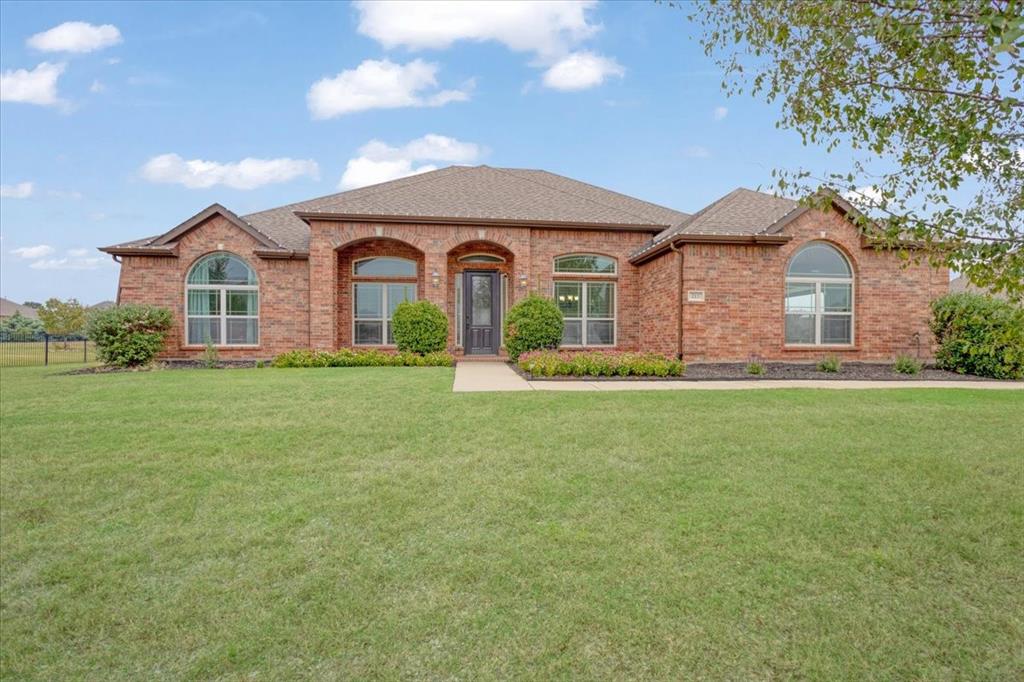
62,318
20,325
921,97
35,305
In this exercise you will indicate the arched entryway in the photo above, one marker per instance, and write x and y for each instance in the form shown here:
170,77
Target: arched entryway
480,290
374,276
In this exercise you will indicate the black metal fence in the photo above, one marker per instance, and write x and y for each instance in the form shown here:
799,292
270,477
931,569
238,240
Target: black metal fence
20,349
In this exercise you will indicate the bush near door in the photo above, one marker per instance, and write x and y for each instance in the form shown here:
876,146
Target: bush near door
535,323
419,327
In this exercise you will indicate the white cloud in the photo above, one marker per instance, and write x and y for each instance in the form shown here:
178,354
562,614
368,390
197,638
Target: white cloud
97,87
864,197
380,162
33,251
581,70
69,263
78,253
697,152
244,174
380,84
22,190
38,86
547,28
76,36
719,113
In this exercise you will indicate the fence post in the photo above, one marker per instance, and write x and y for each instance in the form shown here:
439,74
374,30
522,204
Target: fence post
46,349
85,350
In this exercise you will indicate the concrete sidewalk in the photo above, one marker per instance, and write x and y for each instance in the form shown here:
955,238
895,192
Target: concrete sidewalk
473,377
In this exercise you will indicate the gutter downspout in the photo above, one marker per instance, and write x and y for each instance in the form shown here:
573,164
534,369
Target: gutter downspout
679,304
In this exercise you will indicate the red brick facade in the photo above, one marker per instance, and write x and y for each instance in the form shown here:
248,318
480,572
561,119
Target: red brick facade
307,302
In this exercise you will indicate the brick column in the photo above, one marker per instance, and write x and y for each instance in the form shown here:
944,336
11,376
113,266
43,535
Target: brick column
323,289
436,261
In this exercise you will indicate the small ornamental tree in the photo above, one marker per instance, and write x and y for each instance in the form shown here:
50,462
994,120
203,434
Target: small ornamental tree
535,323
129,335
62,318
19,325
419,327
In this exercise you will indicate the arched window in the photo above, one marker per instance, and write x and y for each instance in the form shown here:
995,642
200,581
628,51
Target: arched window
819,297
384,266
222,302
480,258
585,263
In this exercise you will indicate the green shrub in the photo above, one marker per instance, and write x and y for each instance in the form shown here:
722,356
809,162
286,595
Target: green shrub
907,364
129,335
371,357
211,356
535,323
419,327
830,364
755,369
549,363
978,334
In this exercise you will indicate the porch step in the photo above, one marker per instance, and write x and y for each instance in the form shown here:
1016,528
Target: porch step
482,358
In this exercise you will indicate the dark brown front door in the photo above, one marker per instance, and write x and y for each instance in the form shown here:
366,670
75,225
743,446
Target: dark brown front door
481,313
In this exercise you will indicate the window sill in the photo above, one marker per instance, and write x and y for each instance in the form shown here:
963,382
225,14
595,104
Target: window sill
221,346
588,347
837,349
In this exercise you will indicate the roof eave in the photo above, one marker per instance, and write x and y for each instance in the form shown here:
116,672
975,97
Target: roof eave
307,216
281,254
740,239
160,251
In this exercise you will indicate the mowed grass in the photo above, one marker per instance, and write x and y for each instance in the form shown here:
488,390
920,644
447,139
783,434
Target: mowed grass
368,523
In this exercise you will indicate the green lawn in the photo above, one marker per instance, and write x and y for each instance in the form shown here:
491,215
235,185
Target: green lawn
368,523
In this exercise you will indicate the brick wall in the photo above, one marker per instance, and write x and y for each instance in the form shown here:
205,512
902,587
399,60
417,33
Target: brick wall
743,316
659,305
283,298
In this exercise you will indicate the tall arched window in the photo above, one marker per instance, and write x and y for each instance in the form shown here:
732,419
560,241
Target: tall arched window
819,297
584,290
222,302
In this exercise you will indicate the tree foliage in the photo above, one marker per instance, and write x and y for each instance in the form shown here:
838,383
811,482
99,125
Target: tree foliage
18,324
922,96
62,318
130,335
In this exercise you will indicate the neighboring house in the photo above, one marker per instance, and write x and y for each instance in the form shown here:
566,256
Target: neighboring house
751,275
8,308
961,285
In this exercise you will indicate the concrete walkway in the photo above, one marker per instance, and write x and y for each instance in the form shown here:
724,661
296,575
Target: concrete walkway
498,376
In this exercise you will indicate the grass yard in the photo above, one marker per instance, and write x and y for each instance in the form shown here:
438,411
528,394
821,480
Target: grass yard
368,523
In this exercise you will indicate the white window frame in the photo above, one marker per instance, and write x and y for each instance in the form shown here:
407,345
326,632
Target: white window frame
584,318
223,290
468,258
384,320
576,273
819,311
415,266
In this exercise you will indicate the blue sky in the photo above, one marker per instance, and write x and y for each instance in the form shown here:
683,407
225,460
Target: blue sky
104,122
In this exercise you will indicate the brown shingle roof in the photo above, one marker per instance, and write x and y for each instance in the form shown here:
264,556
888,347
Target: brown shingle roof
740,212
459,192
9,307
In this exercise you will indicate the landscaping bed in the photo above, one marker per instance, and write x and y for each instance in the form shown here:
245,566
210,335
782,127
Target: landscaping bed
774,371
170,364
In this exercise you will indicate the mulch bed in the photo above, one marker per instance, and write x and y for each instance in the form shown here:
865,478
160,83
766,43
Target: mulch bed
166,364
736,371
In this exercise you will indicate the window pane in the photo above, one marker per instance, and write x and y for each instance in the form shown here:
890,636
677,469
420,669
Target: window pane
585,263
572,333
836,329
799,298
600,299
837,297
398,293
368,300
222,269
386,267
242,303
600,333
458,310
480,300
242,331
369,332
819,260
569,297
203,302
799,328
481,258
203,330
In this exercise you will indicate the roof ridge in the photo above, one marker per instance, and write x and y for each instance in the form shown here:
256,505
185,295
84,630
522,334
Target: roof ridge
710,208
507,171
597,187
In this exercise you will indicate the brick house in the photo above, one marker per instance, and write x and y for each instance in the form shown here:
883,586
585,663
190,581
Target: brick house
749,276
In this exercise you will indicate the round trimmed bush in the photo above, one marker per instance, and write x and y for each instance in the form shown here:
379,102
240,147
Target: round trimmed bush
978,334
129,335
535,323
419,327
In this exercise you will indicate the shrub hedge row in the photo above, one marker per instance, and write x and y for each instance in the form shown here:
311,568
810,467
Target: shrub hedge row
550,363
979,335
372,357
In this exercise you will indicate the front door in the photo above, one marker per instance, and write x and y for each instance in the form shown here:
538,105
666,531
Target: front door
482,313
